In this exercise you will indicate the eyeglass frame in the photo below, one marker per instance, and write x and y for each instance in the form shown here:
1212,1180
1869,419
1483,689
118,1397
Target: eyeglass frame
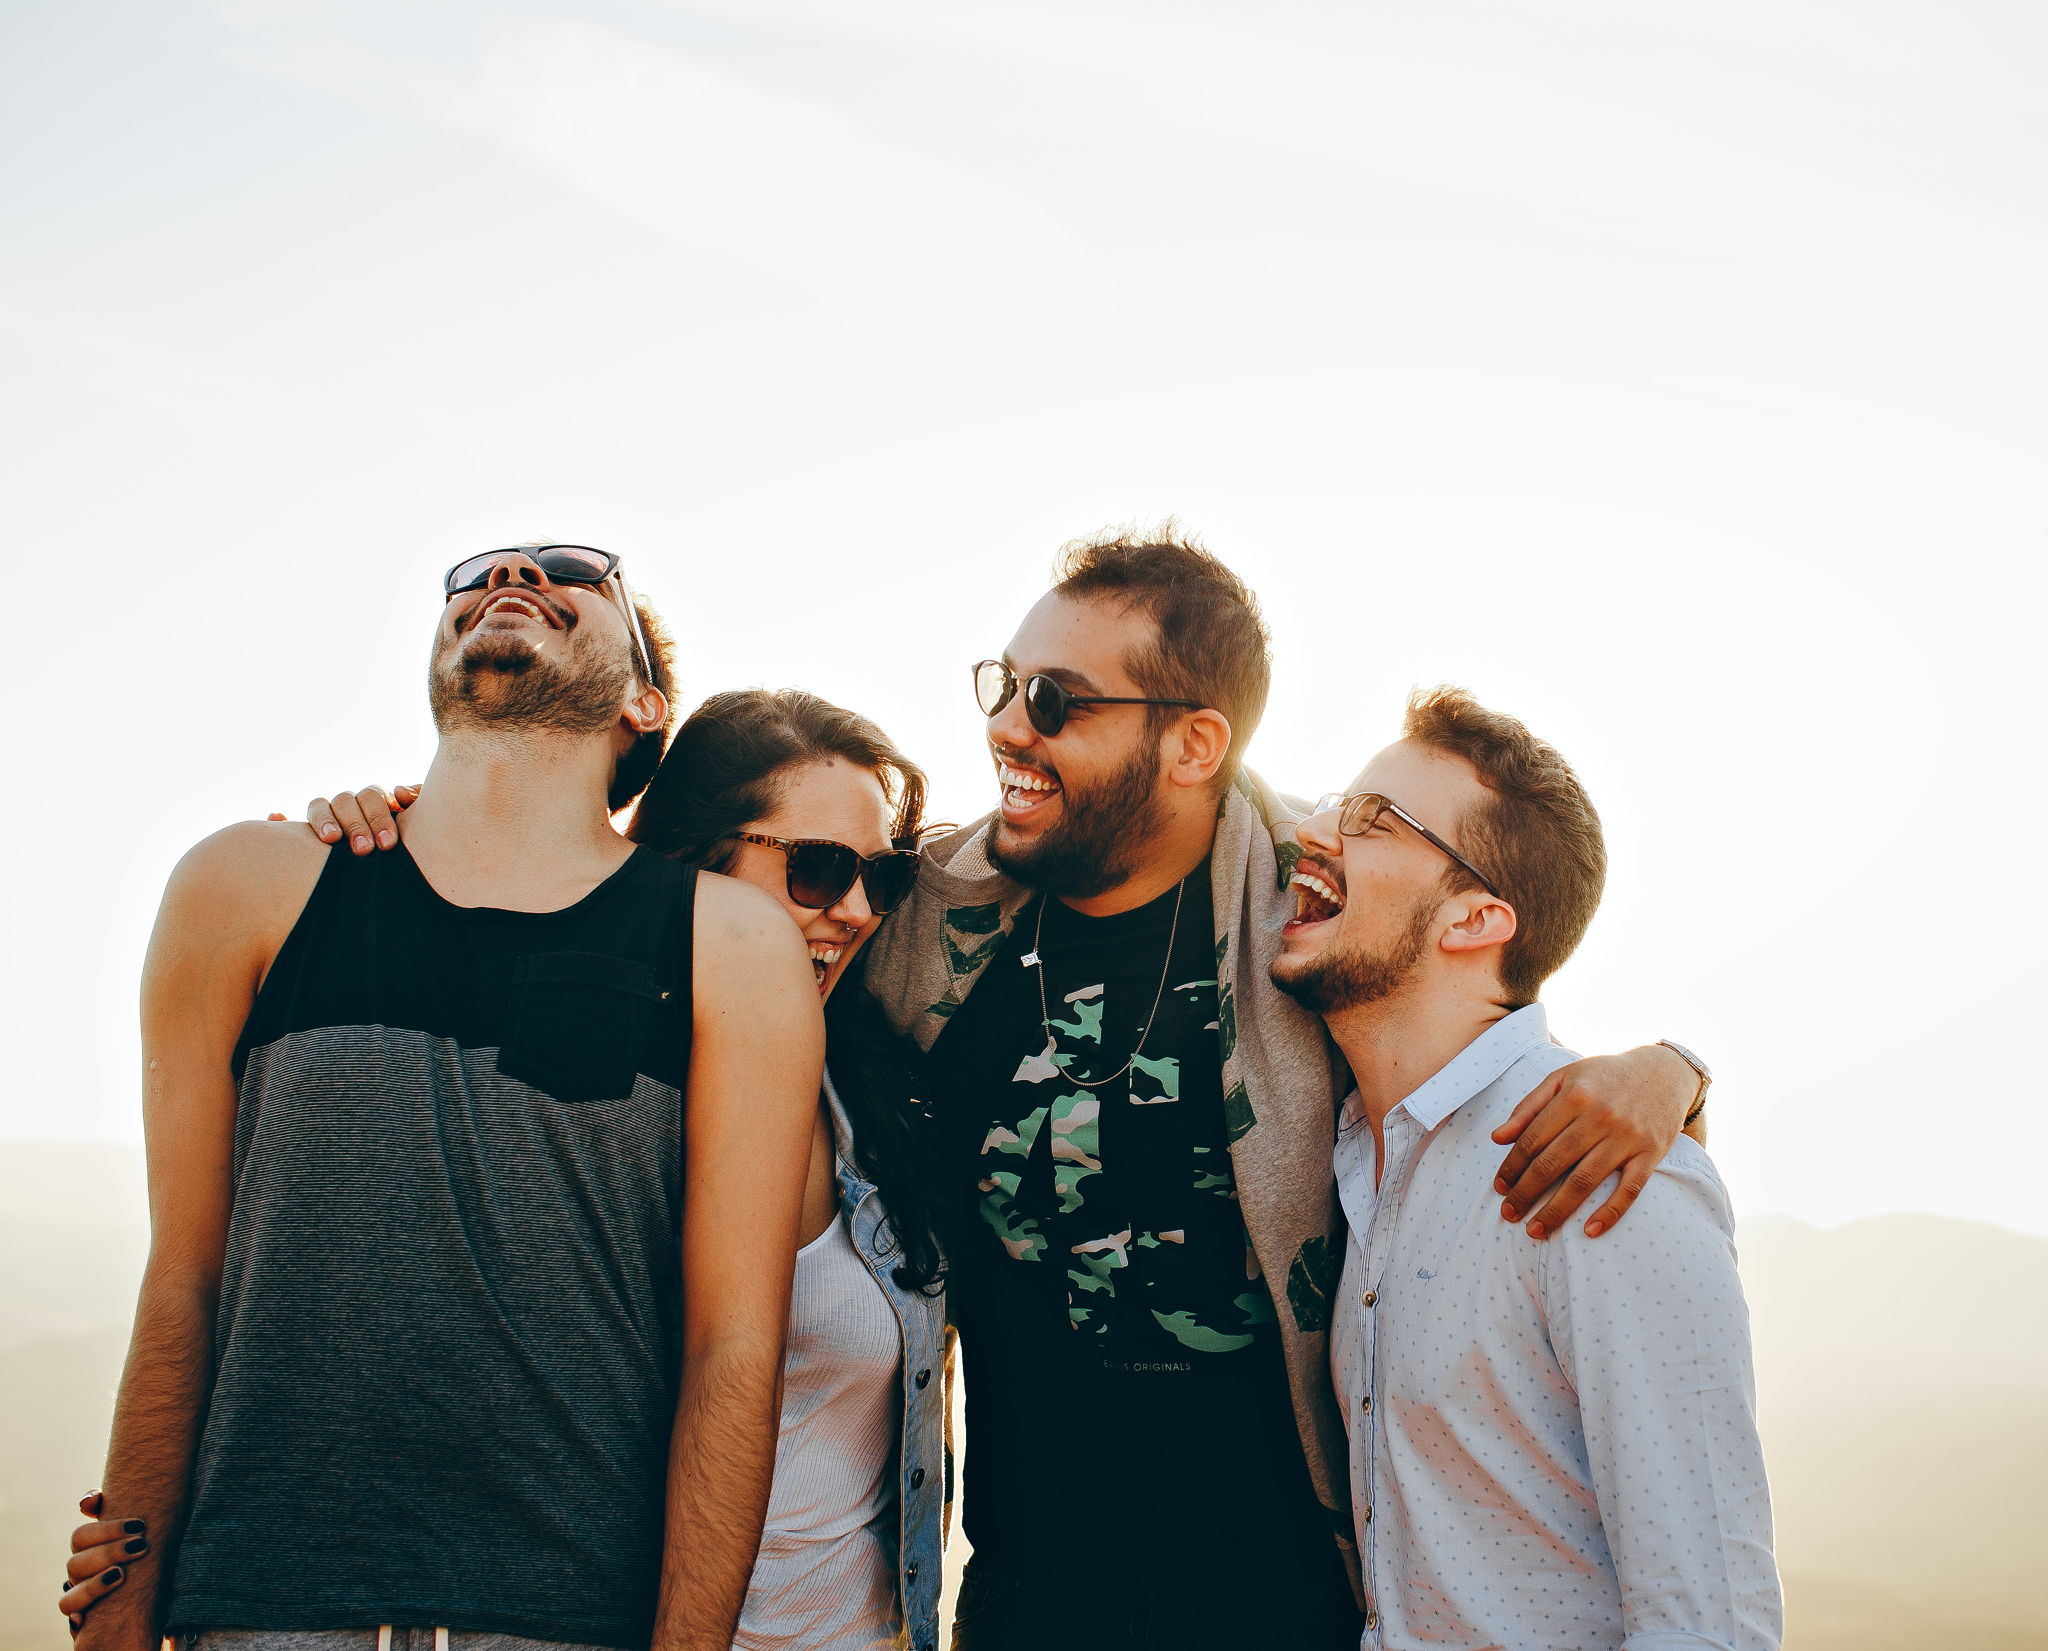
1342,803
1067,698
613,574
860,870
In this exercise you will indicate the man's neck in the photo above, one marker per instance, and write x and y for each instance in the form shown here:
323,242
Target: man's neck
516,818
1173,854
1398,1044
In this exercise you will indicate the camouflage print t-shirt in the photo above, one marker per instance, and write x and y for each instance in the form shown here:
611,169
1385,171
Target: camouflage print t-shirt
1128,1416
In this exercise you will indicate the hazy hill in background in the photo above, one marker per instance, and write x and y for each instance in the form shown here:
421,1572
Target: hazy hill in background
1902,1366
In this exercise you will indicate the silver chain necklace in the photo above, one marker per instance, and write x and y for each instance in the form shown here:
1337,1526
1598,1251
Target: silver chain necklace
1033,960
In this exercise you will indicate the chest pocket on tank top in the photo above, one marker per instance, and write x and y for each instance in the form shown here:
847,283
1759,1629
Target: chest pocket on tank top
578,1023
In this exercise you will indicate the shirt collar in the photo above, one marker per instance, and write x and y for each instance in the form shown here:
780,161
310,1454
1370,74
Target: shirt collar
1478,1064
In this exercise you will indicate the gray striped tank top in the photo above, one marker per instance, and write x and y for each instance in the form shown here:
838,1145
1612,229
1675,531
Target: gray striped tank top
448,1342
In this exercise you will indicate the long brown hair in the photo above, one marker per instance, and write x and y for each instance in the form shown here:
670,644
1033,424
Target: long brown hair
720,775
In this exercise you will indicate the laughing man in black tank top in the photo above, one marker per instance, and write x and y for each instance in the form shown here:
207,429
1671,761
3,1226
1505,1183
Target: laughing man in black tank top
468,1190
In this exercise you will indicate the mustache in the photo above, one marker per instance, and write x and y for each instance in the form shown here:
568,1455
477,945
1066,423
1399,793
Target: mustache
1011,757
562,614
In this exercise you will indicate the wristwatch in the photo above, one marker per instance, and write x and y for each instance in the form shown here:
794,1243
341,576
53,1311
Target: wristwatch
1699,1101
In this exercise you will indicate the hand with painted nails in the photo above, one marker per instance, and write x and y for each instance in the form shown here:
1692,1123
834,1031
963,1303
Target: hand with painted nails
101,1552
1604,1116
367,818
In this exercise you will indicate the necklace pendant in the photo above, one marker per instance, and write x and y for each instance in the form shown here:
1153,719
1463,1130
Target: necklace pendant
1029,960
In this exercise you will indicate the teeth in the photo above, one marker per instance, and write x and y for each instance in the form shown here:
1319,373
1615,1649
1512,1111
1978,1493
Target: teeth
1021,781
825,954
1315,885
518,603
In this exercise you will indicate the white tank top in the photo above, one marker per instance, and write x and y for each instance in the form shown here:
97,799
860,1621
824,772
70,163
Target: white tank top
826,1576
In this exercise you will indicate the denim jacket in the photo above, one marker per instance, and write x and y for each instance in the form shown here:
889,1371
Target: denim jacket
921,1455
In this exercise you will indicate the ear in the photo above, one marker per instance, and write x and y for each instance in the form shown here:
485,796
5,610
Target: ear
646,709
1204,743
1479,921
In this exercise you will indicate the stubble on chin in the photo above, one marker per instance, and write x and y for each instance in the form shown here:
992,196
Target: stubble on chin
1099,840
1343,977
506,682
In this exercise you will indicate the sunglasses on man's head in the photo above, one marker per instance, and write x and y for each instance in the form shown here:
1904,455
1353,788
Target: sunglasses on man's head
564,565
820,871
1359,812
1046,703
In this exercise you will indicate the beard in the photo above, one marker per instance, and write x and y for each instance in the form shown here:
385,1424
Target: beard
1099,839
503,681
1340,977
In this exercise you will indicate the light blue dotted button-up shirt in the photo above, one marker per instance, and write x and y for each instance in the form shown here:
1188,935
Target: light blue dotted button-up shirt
1552,1444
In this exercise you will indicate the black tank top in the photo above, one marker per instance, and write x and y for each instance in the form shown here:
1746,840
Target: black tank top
449,1335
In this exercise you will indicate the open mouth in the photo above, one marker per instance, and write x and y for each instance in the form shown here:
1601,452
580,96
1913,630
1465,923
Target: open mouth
1025,790
1318,894
511,605
822,959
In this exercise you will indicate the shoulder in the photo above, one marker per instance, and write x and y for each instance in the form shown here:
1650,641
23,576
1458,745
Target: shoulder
750,959
736,915
229,905
251,871
1683,1217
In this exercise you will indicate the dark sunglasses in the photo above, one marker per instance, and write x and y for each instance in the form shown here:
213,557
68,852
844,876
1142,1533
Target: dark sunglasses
820,871
564,565
1046,703
1361,809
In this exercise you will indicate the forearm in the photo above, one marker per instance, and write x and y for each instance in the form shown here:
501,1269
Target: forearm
158,1414
721,1460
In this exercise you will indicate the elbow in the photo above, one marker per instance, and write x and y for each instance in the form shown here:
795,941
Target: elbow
176,1272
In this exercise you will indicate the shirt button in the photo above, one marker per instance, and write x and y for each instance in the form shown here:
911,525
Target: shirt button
1365,1516
916,1477
910,1572
924,1378
1372,1620
1370,1297
1365,1404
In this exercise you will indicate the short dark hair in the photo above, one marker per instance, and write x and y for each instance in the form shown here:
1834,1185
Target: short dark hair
720,774
1536,836
633,770
1211,644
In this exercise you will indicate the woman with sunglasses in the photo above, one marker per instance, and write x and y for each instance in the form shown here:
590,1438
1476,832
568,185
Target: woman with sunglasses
815,805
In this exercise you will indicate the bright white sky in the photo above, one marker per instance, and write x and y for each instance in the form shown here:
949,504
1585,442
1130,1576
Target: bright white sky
1671,376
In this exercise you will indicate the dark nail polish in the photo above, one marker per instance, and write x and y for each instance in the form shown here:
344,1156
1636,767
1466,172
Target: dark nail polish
111,1576
134,1527
136,1545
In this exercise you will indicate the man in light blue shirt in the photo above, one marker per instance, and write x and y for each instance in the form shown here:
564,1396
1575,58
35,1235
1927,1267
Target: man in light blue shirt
1552,1445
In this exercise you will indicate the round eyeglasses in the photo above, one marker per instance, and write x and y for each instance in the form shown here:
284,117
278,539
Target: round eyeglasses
1358,812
